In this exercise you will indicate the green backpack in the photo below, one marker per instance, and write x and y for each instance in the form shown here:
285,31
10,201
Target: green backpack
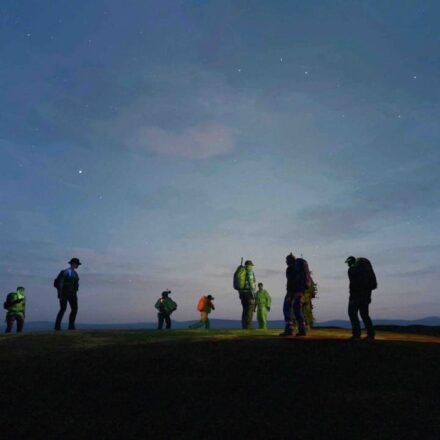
239,281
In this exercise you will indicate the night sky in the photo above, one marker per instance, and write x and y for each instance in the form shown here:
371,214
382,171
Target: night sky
161,141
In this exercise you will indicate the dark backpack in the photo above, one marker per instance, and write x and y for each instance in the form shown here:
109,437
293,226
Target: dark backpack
57,280
308,281
368,272
7,303
239,281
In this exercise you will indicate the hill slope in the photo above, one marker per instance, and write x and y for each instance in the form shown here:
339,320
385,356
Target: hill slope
190,384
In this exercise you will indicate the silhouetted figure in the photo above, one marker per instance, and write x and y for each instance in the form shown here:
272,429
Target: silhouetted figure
165,307
205,306
298,280
263,302
247,296
15,304
67,285
362,283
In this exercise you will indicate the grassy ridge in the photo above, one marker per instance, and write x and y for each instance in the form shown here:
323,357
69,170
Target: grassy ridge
186,384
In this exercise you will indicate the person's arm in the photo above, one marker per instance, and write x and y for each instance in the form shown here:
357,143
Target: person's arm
269,300
76,285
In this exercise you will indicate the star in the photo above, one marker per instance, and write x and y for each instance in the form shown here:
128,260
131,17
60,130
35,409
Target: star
28,35
306,73
281,60
80,171
414,77
238,70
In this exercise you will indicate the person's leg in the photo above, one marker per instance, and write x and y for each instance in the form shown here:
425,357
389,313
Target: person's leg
353,309
63,306
288,316
250,314
244,308
299,315
9,322
73,302
365,315
159,321
200,323
205,320
260,318
20,323
167,321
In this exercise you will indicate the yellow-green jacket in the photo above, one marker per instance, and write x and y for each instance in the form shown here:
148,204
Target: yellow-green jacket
263,299
16,303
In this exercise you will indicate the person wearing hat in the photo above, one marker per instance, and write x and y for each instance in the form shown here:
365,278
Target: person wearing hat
16,306
165,306
205,306
67,285
362,282
247,296
262,305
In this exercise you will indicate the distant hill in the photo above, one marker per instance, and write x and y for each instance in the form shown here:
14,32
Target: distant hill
229,324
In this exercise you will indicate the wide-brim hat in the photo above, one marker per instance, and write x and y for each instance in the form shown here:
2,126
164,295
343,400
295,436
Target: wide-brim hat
210,297
350,259
76,261
248,263
166,292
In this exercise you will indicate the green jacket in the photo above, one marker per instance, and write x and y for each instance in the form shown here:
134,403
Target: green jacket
209,306
165,305
263,298
251,283
17,303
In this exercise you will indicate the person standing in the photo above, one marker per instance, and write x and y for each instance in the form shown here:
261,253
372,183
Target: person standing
16,306
263,302
67,285
247,296
165,306
362,282
205,306
298,276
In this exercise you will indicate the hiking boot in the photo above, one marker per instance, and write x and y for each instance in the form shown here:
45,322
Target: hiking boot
57,329
286,334
301,334
354,338
369,338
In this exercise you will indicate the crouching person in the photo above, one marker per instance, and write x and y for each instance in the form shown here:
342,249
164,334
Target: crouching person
165,306
15,304
205,306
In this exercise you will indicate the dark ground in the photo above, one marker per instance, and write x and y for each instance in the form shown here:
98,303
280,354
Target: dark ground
139,385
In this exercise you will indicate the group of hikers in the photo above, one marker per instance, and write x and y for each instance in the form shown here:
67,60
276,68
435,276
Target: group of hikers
253,297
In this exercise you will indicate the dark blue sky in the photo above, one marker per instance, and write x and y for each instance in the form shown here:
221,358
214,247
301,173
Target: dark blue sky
160,141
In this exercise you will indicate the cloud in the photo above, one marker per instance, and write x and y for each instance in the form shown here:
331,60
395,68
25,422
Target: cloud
198,142
416,274
399,195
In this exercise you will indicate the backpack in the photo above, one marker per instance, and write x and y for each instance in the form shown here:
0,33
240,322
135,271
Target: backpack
202,304
57,280
7,303
172,306
239,281
367,268
308,281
